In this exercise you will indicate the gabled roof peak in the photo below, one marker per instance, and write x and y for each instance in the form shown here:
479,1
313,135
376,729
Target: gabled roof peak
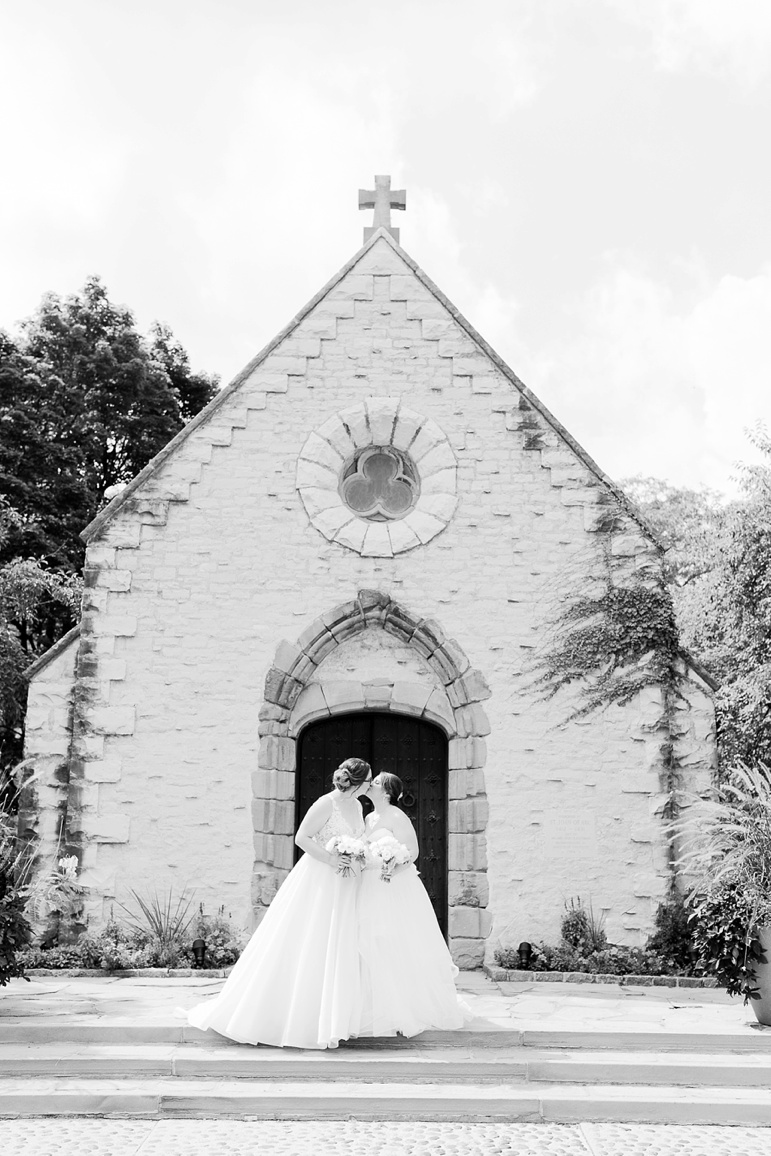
380,235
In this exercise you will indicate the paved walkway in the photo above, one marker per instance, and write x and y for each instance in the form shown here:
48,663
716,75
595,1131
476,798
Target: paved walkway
73,1137
522,1007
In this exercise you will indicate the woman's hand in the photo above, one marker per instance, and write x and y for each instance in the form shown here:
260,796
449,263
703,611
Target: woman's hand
344,865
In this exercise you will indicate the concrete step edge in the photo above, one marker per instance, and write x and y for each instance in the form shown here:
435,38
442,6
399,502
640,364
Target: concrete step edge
337,1100
267,1053
503,1074
319,1061
105,1032
237,1089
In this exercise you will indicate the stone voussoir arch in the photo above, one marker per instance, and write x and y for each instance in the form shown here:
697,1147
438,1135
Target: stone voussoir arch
454,703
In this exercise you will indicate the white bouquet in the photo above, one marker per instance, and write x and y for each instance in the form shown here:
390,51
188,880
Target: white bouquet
389,853
350,851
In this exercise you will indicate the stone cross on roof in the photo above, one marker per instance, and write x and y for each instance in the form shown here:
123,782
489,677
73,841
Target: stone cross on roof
382,199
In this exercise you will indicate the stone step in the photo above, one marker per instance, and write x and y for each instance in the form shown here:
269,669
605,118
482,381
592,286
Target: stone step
509,1066
105,1030
337,1100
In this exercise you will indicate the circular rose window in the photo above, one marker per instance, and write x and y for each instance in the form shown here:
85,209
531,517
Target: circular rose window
378,478
380,483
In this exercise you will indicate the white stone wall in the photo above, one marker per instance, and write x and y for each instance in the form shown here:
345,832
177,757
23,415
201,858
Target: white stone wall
43,800
212,562
375,656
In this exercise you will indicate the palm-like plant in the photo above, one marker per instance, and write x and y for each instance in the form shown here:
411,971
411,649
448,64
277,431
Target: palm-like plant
727,838
15,931
725,852
163,921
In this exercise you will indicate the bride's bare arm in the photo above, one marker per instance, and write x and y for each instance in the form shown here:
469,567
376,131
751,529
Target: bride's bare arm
315,818
405,833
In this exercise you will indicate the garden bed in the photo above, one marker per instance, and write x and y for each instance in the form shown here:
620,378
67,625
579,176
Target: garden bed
508,975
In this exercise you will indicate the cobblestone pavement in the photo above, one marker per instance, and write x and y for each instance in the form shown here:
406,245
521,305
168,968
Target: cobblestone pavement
93,1137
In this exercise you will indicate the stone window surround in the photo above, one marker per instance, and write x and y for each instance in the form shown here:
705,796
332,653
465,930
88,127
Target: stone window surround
378,421
291,701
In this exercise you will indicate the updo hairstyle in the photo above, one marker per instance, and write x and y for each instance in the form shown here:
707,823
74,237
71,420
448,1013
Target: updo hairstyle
391,785
351,774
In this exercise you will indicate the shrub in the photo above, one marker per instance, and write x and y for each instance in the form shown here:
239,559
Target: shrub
58,893
15,930
614,959
563,957
582,929
673,938
507,957
223,941
723,920
15,934
584,947
115,948
53,957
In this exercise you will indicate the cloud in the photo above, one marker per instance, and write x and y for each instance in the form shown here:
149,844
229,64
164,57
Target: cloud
656,384
730,38
270,223
510,70
444,257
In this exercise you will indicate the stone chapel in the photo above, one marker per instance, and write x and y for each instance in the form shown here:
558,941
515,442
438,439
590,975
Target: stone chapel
355,549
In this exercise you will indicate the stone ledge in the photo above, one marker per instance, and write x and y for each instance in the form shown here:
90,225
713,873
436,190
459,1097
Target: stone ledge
504,975
129,972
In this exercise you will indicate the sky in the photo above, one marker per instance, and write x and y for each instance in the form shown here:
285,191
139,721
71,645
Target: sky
588,181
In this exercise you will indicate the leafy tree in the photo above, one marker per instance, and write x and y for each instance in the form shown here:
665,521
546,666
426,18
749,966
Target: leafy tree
688,524
744,701
720,577
193,390
85,402
35,604
39,474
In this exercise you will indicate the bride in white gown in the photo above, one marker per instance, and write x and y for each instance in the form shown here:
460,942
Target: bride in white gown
407,974
298,981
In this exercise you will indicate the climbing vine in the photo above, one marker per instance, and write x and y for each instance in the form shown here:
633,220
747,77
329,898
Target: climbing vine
611,646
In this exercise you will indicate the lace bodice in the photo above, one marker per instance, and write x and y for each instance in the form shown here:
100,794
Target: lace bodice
337,824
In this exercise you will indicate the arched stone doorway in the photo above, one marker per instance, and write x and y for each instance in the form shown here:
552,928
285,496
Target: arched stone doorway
294,697
411,748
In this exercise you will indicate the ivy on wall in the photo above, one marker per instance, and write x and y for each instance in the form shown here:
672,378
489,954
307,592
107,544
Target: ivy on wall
613,644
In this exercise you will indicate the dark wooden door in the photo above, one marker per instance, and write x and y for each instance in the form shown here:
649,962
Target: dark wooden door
414,750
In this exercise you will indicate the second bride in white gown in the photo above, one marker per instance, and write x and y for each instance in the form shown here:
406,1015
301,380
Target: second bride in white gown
407,973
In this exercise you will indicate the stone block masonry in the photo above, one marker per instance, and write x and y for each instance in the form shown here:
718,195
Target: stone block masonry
225,583
45,783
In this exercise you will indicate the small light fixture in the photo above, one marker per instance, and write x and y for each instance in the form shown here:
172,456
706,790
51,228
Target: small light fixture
199,952
524,951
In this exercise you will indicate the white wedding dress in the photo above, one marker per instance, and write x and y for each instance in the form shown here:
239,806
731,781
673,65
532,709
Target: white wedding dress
297,983
407,975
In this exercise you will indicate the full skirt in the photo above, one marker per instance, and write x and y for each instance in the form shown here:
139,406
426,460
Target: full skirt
297,983
408,977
